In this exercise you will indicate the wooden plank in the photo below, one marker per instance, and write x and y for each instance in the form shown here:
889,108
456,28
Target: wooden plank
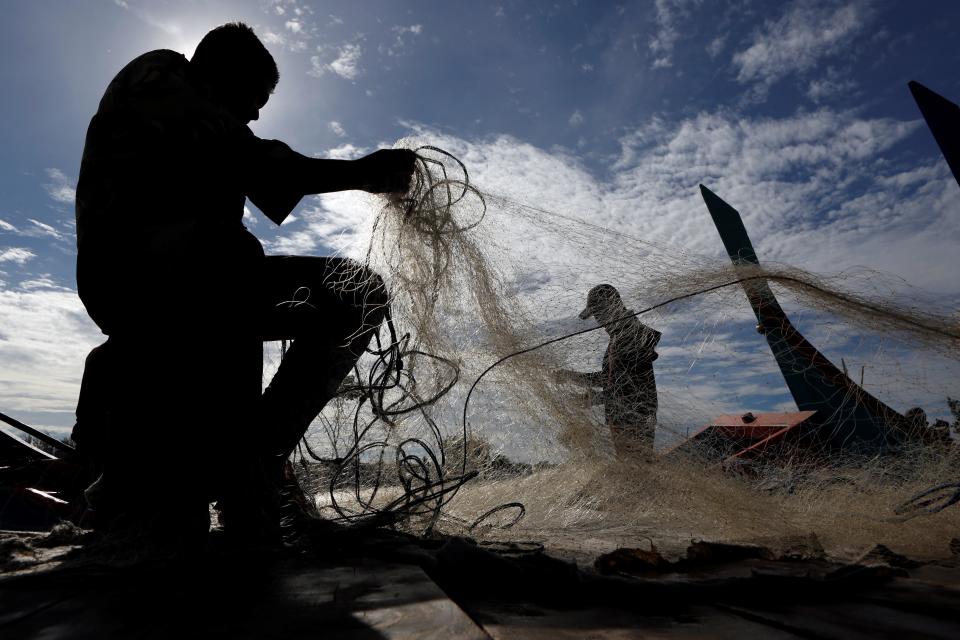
849,621
293,598
19,606
397,601
531,622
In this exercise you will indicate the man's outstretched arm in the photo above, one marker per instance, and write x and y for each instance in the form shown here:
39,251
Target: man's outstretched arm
591,379
281,176
383,171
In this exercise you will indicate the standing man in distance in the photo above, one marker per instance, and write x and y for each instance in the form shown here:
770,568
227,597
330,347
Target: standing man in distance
626,385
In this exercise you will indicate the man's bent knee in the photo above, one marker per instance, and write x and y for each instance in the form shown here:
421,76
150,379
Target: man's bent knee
367,292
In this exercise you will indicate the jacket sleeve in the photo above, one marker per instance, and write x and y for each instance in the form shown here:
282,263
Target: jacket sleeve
269,179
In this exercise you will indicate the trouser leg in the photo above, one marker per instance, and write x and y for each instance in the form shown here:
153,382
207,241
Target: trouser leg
174,429
93,405
330,308
635,440
184,384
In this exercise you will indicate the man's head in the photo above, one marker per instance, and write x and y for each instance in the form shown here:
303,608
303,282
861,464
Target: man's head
238,68
604,303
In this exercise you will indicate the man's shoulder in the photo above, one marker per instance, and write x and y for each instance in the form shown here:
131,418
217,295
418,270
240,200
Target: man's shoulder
636,336
156,59
159,67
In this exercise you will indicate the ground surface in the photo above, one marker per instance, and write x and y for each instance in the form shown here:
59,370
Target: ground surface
385,585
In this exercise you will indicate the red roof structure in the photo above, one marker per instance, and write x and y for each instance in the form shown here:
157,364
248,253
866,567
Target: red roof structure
746,436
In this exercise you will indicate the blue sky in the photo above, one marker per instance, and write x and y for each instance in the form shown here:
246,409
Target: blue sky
796,112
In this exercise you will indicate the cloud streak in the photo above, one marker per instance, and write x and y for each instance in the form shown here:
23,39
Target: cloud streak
16,255
44,337
807,33
822,190
60,188
403,36
669,15
44,229
346,64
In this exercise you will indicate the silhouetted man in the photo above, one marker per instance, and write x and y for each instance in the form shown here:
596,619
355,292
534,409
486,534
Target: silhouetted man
628,391
170,407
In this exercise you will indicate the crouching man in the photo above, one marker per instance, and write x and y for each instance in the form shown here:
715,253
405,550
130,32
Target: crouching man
171,410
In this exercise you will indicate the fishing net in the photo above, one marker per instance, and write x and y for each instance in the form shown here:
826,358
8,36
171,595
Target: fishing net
485,406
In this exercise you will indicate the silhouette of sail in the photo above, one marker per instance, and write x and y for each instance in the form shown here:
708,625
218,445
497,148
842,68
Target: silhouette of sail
847,416
943,118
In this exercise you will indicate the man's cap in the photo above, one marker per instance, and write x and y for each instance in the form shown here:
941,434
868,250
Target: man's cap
599,297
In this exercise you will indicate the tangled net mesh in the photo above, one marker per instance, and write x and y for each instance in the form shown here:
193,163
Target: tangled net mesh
457,422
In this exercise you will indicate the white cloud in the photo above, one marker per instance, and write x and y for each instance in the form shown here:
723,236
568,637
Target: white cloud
576,118
336,222
399,44
662,63
60,188
337,128
807,33
346,151
44,229
912,177
715,48
45,335
415,29
346,64
818,190
294,26
36,229
832,84
296,42
17,255
669,15
270,37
